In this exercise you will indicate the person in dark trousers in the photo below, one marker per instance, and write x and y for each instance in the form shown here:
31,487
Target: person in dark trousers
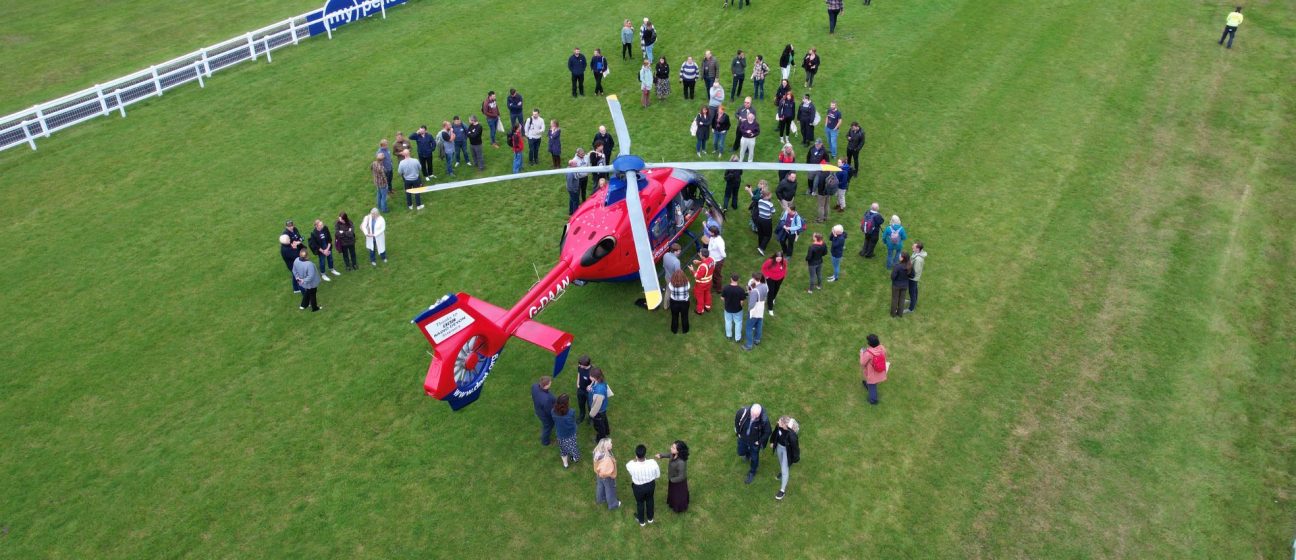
627,39
789,228
605,138
733,180
426,151
321,244
784,114
576,64
811,66
762,217
583,384
916,262
643,482
600,398
460,140
474,133
834,8
710,69
899,285
688,76
543,401
871,227
1230,26
814,260
599,66
534,129
490,110
739,70
873,366
289,255
344,235
308,277
854,143
806,116
752,429
514,102
679,301
703,121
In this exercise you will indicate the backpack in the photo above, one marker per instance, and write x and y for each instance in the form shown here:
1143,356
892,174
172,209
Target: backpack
830,185
879,363
894,238
866,224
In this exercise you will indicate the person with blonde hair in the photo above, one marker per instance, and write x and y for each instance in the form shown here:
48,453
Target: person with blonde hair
894,236
374,228
605,473
787,447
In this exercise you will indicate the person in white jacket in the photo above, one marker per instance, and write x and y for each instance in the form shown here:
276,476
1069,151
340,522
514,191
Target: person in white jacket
374,228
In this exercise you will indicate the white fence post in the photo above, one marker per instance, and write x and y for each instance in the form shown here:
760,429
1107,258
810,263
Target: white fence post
292,26
251,46
27,133
103,103
157,82
206,65
198,72
266,40
40,118
383,5
121,105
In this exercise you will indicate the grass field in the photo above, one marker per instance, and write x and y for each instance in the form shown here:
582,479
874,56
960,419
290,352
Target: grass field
1099,367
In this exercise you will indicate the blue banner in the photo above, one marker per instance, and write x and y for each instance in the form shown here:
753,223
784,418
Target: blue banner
341,12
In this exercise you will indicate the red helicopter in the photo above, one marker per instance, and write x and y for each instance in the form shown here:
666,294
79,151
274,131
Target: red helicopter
617,234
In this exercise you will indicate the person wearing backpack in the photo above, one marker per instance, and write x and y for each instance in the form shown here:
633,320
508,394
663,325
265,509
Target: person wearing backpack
894,237
870,226
787,447
828,189
874,366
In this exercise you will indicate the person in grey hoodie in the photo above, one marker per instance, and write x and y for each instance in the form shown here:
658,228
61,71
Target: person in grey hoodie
308,277
739,69
916,260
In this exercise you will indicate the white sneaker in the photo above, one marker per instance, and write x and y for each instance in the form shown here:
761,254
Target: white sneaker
325,277
335,272
832,278
699,154
420,207
771,312
761,251
411,207
456,164
373,263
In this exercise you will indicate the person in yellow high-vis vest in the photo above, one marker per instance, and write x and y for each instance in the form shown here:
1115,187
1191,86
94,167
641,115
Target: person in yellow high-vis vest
1230,26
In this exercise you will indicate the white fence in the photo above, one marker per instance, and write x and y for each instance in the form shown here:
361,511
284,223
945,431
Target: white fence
25,127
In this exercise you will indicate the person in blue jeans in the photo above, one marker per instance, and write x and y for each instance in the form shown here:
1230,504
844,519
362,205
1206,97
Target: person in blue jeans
894,236
516,143
832,124
733,296
752,428
837,247
544,401
757,294
460,140
719,129
448,143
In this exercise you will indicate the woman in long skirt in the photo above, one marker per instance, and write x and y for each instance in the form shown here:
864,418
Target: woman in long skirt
662,78
677,492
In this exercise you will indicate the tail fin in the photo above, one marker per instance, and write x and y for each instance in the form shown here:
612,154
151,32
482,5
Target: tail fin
467,336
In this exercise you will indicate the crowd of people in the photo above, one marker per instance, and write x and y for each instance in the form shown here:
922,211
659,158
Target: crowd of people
296,251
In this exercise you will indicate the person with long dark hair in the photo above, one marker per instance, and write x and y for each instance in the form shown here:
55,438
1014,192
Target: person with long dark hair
899,285
873,366
344,236
679,301
784,114
775,270
600,399
564,419
677,490
702,124
661,78
786,60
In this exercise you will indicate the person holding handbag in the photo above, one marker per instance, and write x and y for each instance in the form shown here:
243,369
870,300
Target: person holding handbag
605,472
789,229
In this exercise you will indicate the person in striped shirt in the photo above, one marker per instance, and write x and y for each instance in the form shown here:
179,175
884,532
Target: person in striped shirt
688,78
762,215
679,301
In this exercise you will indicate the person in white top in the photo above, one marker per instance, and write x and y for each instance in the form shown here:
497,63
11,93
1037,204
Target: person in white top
534,128
374,228
643,478
716,246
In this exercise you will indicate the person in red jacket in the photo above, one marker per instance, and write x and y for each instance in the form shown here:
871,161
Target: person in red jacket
874,366
703,268
775,270
516,142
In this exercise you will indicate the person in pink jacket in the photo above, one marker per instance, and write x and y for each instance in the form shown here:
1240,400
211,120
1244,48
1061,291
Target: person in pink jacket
874,366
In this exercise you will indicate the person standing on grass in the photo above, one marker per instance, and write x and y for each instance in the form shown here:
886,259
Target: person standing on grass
787,447
448,142
785,192
564,419
742,113
786,60
582,179
784,114
715,95
308,277
757,295
515,142
460,140
752,428
289,255
627,39
490,110
598,158
474,134
555,143
774,269
703,269
670,262
344,234
534,129
543,401
677,491
411,176
514,103
679,300
374,228
400,144
605,471
837,248
814,261
762,217
643,477
573,189
873,366
786,155
806,113
748,131
702,129
759,70
811,66
733,296
648,38
710,69
719,127
843,181
387,163
732,178
834,8
917,260
321,244
583,383
789,229
646,78
600,400
738,67
599,67
661,78
716,246
899,285
1230,26
426,150
832,124
688,76
381,178
894,237
871,226
604,138
854,143
576,64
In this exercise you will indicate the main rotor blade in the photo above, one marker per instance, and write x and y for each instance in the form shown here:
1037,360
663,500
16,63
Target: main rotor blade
527,175
745,166
618,122
643,249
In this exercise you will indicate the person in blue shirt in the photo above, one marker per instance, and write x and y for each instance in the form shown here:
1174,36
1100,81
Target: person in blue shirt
832,124
565,425
599,66
460,140
893,236
843,181
600,398
788,228
426,149
837,247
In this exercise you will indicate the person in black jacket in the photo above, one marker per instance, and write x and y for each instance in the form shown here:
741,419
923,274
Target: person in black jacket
787,447
599,66
606,139
344,236
719,128
785,61
806,116
814,260
576,65
474,134
289,255
321,244
702,121
786,190
854,143
733,180
752,429
811,65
